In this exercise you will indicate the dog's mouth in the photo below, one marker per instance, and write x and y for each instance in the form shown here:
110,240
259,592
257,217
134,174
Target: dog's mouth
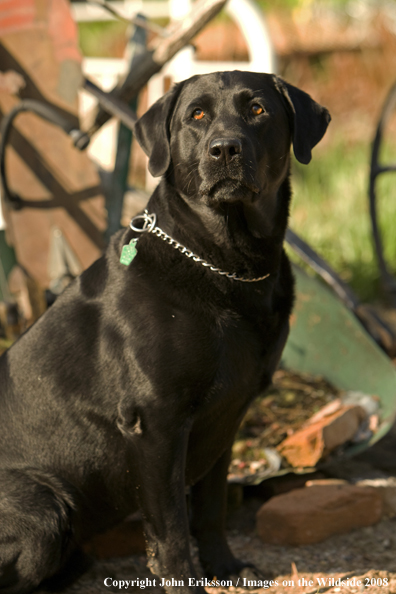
228,190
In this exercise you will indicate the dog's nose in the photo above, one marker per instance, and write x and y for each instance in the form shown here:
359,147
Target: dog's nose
225,149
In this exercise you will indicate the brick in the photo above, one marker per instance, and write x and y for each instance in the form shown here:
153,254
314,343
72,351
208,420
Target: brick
386,487
312,514
326,431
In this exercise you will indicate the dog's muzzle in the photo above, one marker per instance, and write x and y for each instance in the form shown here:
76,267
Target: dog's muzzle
225,174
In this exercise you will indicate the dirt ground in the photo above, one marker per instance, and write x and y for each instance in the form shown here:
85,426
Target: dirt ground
363,559
368,555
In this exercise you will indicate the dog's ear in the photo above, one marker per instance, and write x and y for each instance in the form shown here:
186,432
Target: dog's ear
153,134
309,119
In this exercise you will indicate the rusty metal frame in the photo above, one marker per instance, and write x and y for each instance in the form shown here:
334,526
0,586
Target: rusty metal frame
376,169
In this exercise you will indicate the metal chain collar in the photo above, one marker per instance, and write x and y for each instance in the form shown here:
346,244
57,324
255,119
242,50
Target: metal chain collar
149,221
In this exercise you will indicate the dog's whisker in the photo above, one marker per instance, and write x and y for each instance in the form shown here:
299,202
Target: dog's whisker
189,179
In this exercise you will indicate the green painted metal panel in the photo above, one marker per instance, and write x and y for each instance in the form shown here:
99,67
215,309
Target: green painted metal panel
7,262
327,340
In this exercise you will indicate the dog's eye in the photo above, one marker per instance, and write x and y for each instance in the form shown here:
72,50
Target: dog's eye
198,114
256,109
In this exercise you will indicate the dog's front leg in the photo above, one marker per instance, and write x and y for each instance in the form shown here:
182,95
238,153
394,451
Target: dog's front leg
160,453
209,508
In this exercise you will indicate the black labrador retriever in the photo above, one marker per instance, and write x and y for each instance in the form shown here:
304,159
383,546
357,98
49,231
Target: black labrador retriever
134,382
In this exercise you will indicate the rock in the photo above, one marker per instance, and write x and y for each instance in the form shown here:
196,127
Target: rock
125,539
368,402
333,426
325,481
312,514
381,455
386,487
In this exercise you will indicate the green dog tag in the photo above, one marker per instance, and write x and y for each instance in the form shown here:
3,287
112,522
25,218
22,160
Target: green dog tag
128,252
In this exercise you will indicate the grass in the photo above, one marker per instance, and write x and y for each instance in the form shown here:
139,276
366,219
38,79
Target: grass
330,211
102,39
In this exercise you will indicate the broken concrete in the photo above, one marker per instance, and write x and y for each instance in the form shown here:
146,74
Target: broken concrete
333,426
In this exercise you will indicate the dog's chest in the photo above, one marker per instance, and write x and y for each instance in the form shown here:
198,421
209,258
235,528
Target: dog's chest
224,351
240,352
229,360
232,370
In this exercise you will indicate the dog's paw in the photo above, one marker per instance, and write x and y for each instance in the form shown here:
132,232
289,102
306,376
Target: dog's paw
219,562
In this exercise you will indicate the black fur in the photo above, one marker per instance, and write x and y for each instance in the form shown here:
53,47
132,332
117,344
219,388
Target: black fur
134,382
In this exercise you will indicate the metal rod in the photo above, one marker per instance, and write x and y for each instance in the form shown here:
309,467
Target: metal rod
153,60
135,20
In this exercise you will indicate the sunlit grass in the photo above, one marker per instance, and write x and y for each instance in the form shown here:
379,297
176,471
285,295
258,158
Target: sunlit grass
331,212
101,39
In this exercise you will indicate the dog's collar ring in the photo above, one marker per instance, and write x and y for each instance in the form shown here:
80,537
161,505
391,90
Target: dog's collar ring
149,220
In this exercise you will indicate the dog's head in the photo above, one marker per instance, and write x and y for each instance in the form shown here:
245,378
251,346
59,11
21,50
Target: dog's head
226,136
